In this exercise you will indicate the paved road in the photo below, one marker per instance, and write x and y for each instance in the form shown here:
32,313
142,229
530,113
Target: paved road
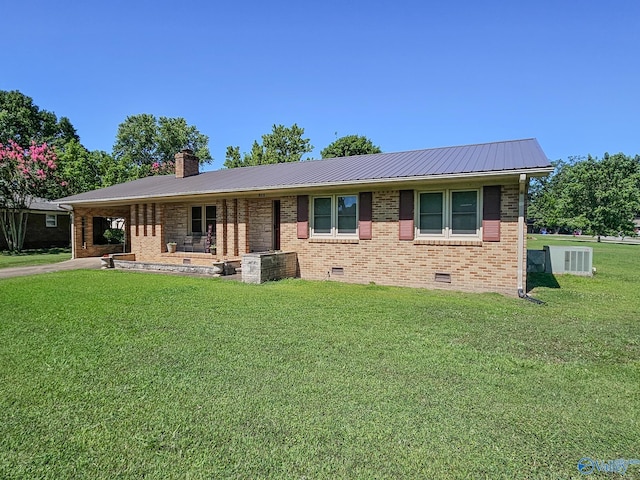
75,264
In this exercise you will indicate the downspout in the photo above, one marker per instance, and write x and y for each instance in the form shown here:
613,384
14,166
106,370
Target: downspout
521,271
523,183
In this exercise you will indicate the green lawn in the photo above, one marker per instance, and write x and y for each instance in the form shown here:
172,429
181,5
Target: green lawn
34,257
113,374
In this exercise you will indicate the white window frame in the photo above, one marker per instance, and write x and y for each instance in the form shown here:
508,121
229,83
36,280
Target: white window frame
447,198
203,218
334,216
51,220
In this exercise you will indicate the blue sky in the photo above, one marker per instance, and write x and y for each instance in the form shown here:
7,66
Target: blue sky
407,74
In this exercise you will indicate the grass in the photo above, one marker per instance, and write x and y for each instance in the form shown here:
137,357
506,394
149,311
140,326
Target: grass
111,374
30,258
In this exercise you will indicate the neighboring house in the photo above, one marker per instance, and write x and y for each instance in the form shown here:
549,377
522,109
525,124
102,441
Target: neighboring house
439,218
48,225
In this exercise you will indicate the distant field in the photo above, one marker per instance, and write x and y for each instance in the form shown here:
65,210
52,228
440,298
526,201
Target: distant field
112,374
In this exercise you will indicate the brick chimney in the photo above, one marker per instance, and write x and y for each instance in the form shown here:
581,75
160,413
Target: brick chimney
187,164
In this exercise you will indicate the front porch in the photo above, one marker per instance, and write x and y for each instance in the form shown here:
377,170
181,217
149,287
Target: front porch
259,267
230,269
184,262
189,236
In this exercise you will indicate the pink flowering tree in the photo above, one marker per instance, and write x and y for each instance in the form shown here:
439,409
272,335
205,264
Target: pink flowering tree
164,168
25,174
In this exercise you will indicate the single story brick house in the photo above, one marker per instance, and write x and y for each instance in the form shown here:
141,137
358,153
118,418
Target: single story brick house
48,226
451,218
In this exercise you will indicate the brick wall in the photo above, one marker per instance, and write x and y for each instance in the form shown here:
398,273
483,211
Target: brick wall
473,266
260,224
38,235
146,230
245,225
264,267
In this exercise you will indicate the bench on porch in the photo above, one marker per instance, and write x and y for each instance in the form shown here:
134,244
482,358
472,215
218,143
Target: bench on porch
190,243
195,243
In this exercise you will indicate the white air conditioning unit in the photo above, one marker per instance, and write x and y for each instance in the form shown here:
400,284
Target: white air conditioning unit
573,260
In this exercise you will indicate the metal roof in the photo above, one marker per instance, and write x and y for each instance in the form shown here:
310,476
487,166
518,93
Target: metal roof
514,156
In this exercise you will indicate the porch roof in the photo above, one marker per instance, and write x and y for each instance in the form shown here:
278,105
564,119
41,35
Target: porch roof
488,159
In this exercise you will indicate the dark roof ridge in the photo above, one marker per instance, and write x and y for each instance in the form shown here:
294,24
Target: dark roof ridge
479,144
402,152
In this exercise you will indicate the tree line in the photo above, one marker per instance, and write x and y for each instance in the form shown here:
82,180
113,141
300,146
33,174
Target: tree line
41,155
144,145
593,196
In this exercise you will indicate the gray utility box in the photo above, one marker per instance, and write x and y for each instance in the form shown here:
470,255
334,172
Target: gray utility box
573,260
262,267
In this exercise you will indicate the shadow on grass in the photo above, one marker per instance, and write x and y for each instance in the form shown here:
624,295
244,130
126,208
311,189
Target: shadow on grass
547,280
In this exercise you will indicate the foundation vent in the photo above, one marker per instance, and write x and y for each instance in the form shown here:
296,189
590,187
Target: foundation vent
337,270
443,277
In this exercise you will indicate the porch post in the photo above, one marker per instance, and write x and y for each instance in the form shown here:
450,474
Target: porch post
73,233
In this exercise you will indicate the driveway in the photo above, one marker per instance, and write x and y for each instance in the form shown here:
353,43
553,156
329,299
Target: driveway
74,264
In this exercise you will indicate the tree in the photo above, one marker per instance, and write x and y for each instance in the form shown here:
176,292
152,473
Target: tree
350,145
602,196
111,171
232,157
76,168
25,174
146,145
174,134
282,145
82,170
599,197
136,140
24,122
544,204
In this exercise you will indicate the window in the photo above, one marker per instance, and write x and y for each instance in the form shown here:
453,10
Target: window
210,218
347,214
201,217
322,215
51,221
464,213
335,215
196,220
431,209
448,213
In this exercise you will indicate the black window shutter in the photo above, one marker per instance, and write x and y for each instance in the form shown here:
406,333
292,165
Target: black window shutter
406,229
303,216
366,216
491,213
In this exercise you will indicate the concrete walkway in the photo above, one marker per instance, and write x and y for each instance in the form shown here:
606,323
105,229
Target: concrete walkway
74,264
